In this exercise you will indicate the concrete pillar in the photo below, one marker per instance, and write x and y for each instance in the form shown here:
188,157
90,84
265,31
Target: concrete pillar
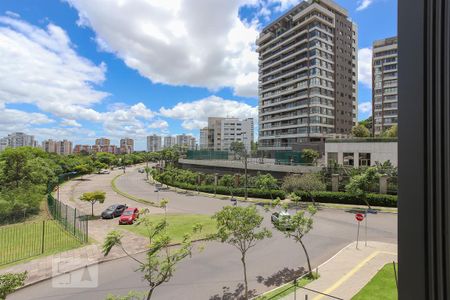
340,158
356,159
216,179
383,184
335,182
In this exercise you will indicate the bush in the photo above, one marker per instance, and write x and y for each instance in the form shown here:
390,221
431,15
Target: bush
308,182
346,198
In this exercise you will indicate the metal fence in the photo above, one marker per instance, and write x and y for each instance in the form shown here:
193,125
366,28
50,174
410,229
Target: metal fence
26,240
70,218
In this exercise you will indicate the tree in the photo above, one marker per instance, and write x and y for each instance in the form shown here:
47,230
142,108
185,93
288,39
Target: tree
360,185
308,182
9,282
147,170
100,166
266,182
238,148
160,261
227,180
93,197
392,132
83,169
240,227
299,225
310,155
367,123
360,131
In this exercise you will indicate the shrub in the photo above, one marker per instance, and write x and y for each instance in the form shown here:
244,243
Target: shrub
307,182
346,198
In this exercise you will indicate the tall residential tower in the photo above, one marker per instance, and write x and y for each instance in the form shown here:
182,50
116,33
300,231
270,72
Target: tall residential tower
307,76
384,79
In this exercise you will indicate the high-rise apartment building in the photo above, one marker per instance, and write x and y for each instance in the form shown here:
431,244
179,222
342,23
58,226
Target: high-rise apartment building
64,147
102,142
307,76
186,141
82,149
384,79
17,139
221,132
127,145
49,146
169,141
154,143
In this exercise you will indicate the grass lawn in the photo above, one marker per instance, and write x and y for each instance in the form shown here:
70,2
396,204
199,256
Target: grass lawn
380,287
285,290
25,240
179,225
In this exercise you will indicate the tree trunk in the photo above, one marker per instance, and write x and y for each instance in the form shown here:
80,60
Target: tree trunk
149,295
307,257
245,276
92,208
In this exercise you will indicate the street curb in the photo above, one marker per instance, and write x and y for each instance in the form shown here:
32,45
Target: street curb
128,196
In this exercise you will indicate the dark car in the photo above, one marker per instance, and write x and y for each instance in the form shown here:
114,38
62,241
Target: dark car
113,211
281,220
129,216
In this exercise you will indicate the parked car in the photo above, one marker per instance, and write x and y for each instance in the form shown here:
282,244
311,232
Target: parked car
104,172
281,219
129,216
140,170
113,211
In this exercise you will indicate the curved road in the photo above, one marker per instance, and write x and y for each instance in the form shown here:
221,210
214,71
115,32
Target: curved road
216,272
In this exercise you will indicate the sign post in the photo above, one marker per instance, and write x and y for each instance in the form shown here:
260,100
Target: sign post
359,217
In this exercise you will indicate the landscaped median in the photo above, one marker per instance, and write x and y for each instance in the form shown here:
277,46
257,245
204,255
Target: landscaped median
284,290
179,225
381,287
131,197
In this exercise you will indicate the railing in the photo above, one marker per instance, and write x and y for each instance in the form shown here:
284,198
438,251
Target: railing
70,218
26,240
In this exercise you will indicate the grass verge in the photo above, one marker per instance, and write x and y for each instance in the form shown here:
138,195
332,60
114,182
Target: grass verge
131,197
30,240
381,287
284,290
179,225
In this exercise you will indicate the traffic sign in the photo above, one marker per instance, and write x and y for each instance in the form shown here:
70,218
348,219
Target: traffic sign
359,217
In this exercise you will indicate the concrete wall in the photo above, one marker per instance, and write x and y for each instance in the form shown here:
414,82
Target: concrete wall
230,167
379,151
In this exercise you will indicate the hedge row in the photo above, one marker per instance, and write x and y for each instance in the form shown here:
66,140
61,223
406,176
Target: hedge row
346,198
223,190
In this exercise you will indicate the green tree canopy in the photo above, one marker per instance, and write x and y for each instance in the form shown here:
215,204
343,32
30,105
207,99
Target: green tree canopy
360,131
360,185
310,155
93,197
240,227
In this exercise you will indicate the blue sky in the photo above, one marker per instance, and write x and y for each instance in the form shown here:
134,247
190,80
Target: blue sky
81,69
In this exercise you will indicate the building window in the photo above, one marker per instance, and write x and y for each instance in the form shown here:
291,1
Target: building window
364,159
349,159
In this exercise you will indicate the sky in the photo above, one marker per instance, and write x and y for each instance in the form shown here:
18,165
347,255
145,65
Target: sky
81,69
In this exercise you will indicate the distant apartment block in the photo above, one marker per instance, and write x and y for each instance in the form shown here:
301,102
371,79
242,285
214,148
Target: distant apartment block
82,149
126,145
154,143
221,132
186,141
169,141
307,76
17,139
64,147
384,78
102,142
49,146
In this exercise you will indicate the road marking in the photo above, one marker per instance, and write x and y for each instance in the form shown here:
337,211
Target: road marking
352,272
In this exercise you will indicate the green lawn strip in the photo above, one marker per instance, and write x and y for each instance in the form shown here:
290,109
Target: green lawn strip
381,287
23,241
179,225
131,197
284,290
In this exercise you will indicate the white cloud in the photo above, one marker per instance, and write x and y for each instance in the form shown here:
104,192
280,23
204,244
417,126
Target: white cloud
159,124
196,43
69,123
363,4
41,67
282,5
365,107
12,14
195,114
365,66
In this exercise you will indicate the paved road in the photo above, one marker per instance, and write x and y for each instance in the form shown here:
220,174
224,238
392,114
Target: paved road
216,272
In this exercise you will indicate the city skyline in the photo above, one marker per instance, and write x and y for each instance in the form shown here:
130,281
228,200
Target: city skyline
115,97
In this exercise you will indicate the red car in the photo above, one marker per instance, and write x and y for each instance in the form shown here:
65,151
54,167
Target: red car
129,216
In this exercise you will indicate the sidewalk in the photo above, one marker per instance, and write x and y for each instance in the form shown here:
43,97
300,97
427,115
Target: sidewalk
345,274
